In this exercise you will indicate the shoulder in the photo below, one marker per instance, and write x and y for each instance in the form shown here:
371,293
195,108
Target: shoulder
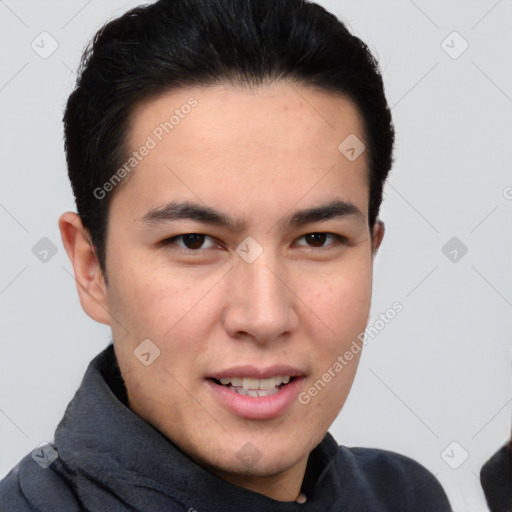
386,464
30,487
390,476
496,479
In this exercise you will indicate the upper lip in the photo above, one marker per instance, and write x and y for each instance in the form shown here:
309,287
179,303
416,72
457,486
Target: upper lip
257,373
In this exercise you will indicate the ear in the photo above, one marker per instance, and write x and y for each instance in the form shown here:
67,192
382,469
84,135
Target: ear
89,279
377,235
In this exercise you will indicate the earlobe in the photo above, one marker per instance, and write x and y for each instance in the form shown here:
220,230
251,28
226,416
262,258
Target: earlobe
88,276
377,236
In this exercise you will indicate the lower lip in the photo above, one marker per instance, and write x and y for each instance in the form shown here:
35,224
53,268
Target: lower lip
257,408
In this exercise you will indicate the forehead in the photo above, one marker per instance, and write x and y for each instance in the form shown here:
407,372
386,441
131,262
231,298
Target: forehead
230,114
278,141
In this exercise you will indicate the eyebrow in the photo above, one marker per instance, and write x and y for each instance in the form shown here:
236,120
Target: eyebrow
187,210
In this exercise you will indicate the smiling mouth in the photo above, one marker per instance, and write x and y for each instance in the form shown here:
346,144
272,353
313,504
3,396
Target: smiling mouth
256,388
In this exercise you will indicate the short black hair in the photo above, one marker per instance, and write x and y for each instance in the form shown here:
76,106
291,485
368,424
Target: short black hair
172,44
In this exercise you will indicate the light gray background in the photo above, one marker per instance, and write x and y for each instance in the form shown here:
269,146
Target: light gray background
440,371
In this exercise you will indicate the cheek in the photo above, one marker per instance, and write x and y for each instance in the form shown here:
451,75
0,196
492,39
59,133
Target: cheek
170,308
153,298
342,299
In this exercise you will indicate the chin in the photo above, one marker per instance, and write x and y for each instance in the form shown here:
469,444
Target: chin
249,461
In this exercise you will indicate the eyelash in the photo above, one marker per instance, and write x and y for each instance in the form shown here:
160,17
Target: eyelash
340,240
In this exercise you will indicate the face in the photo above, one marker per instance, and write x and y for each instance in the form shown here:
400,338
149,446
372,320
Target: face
240,247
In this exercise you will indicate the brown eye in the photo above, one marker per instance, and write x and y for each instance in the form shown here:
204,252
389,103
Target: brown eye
189,242
193,240
316,239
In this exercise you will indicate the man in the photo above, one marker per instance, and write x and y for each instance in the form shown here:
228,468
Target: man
227,159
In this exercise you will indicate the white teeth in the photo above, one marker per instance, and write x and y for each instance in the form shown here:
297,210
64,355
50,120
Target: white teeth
268,383
267,392
254,392
235,381
252,384
248,383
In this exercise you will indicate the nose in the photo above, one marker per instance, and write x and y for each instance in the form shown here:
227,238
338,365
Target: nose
260,302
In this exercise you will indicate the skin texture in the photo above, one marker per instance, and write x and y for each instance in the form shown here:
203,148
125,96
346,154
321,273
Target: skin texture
257,155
